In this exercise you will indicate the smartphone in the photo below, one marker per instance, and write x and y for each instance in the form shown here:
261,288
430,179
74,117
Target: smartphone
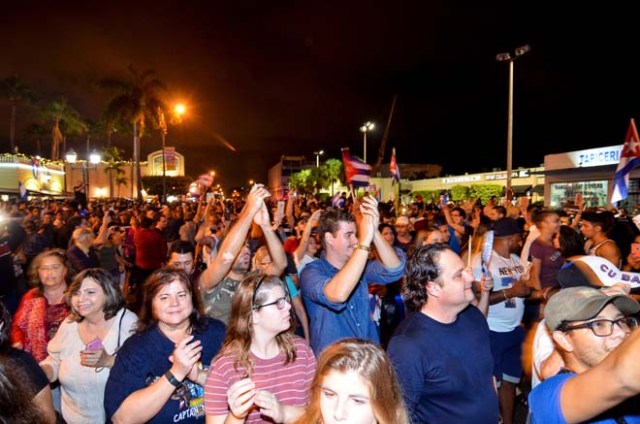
635,249
94,344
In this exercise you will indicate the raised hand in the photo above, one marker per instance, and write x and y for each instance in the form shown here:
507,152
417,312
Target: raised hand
255,198
185,357
370,218
261,218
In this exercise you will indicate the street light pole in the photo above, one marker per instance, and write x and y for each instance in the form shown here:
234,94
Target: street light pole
163,129
506,57
321,152
366,127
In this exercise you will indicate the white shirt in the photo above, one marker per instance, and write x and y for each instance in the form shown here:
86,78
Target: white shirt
82,388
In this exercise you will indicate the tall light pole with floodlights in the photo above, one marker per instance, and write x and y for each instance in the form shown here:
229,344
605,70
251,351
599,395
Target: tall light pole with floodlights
318,154
506,57
364,129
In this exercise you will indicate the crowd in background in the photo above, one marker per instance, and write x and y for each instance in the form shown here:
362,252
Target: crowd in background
303,310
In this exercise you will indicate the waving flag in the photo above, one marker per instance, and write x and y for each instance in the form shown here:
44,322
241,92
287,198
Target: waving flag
393,167
629,159
356,171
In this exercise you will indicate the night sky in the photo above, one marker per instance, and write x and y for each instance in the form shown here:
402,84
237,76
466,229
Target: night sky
268,78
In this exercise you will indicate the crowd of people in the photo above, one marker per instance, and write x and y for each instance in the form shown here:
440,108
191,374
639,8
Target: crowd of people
252,311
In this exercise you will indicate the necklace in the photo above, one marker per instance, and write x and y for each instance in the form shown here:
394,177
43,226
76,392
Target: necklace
511,264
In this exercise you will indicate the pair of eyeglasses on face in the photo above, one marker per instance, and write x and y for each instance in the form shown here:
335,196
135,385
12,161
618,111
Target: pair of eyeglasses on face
280,302
603,327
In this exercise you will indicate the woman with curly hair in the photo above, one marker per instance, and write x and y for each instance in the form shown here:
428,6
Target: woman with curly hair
264,371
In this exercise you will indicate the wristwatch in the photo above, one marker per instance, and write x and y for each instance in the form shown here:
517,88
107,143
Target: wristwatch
172,379
363,247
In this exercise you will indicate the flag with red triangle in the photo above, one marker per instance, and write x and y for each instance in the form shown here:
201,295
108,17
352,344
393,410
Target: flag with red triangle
356,171
629,159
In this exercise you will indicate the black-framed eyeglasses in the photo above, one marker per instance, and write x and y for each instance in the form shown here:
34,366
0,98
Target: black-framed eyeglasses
603,327
280,302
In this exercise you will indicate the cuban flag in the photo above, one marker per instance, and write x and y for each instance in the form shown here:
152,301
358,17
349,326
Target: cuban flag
629,159
356,171
393,167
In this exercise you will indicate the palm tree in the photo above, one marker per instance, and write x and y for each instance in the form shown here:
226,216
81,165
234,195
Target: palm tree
137,101
62,116
113,157
335,171
121,181
18,93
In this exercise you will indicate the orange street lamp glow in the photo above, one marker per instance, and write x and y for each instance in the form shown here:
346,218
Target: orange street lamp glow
180,109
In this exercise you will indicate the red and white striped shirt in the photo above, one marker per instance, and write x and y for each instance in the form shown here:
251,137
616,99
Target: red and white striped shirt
290,383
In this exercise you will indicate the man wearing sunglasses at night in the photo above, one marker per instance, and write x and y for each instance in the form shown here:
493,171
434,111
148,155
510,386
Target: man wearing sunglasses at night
597,339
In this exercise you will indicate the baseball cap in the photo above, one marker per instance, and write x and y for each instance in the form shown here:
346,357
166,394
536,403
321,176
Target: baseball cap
402,220
583,303
504,227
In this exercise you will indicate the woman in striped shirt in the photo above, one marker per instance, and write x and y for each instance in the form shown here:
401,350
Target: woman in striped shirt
264,371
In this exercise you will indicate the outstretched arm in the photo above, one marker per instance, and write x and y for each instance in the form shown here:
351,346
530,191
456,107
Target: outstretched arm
234,240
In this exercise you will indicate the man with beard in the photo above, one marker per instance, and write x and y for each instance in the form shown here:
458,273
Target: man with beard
600,381
232,263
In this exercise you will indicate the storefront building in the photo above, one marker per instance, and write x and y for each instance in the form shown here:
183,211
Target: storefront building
590,172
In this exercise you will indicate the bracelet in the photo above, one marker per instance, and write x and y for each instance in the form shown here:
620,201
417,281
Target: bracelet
363,247
172,379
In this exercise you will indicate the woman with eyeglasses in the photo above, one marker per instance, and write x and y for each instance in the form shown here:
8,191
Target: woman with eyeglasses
159,372
262,262
84,348
263,372
43,308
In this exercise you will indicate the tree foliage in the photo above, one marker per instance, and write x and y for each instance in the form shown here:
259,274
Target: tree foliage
137,100
314,179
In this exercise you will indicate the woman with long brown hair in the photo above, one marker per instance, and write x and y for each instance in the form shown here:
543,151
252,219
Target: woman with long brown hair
263,371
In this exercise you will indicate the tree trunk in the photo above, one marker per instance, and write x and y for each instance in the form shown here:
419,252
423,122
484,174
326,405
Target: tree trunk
136,161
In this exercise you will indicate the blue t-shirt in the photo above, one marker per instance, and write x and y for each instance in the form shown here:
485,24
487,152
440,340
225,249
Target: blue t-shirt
144,358
446,370
330,321
544,404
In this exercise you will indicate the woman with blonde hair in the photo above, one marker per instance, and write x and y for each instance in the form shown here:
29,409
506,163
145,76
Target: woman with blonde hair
263,371
355,382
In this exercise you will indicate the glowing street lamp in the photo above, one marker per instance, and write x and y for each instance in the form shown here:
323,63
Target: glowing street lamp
178,111
506,57
321,152
364,129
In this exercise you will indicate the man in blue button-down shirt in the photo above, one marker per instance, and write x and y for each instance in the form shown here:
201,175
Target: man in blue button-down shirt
334,288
